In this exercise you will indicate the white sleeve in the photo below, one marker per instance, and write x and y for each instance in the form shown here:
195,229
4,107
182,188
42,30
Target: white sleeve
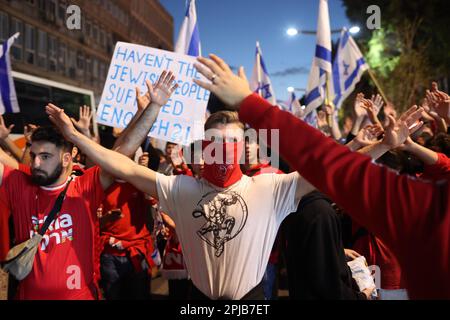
167,193
284,189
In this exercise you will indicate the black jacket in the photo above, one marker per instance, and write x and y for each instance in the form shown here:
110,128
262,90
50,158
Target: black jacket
316,263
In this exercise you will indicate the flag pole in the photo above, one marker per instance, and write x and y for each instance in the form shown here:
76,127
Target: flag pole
258,68
380,90
328,101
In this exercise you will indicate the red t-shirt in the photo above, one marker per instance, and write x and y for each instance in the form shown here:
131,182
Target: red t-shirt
438,171
4,225
130,227
65,265
5,213
378,254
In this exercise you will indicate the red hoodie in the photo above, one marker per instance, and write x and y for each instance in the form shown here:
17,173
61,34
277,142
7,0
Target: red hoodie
411,216
130,227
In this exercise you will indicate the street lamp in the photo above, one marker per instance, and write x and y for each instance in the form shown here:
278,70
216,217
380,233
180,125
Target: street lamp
294,31
354,30
292,89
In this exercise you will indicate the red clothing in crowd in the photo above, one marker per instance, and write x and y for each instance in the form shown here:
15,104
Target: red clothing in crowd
378,254
66,265
5,213
440,170
173,267
262,168
4,225
25,168
411,216
130,227
182,169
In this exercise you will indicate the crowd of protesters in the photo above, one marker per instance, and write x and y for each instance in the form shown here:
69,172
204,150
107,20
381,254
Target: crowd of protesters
376,188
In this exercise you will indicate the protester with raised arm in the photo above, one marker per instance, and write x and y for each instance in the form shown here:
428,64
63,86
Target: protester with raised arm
404,212
226,222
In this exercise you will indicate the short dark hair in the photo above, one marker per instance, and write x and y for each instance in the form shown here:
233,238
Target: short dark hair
223,117
440,143
215,104
52,135
153,157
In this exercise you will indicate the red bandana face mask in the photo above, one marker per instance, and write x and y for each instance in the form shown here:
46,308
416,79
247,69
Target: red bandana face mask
227,171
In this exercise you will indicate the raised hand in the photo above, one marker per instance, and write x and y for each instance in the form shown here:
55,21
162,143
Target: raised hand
4,131
144,100
61,120
368,135
329,110
360,112
163,88
439,102
230,88
377,102
399,130
84,121
28,132
371,109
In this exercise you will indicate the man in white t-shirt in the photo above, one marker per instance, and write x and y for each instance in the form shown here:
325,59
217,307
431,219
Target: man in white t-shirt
226,222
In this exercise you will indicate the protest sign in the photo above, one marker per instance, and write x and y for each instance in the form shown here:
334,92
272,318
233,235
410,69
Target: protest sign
181,119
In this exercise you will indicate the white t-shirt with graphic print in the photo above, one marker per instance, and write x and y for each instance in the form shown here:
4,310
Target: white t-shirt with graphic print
227,234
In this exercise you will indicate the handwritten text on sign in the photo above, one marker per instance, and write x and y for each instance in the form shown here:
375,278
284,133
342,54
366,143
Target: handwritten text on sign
181,119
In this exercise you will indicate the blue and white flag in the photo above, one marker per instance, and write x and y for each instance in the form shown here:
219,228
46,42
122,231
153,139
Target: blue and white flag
311,118
291,102
348,67
8,96
260,81
321,65
189,38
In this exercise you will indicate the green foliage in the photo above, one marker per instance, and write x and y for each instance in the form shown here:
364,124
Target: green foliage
380,55
411,48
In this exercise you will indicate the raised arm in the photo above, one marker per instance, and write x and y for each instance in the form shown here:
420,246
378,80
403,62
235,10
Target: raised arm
437,165
373,107
142,103
7,142
83,124
359,114
110,161
357,185
7,160
27,133
334,126
439,102
133,136
393,135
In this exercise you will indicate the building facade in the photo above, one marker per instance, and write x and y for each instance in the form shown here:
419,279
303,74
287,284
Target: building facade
47,48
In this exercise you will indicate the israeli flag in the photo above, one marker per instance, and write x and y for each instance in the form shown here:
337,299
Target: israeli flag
8,96
291,102
348,67
189,38
311,118
321,65
260,81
